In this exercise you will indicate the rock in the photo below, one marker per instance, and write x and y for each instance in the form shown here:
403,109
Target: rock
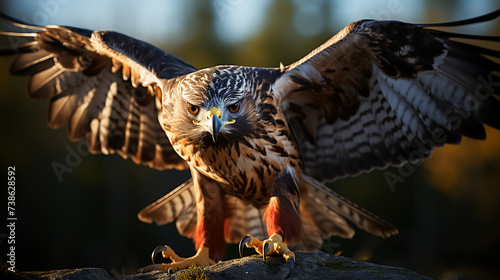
314,265
310,265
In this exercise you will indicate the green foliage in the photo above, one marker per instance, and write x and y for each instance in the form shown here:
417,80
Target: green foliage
192,273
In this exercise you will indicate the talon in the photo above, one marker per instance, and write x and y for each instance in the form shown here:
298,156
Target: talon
264,251
201,258
157,250
273,245
243,242
290,268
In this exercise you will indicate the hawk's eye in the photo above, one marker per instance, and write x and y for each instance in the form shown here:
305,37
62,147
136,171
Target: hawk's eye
234,108
193,109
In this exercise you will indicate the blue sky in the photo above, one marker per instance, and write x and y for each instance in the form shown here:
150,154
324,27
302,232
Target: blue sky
163,21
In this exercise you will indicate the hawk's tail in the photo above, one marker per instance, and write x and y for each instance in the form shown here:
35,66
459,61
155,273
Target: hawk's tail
179,205
323,212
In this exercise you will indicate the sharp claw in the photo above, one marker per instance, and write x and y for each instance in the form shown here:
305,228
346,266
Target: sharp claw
243,241
290,268
156,251
264,251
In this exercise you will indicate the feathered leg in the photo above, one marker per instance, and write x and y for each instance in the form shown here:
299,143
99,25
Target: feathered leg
282,220
209,228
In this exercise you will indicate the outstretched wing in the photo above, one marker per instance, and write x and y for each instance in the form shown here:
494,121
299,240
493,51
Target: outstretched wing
104,85
385,93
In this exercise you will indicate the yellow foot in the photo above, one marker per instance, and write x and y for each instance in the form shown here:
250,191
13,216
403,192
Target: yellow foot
201,258
273,245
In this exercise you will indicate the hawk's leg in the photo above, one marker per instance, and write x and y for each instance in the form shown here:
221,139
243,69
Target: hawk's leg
273,245
201,258
282,220
209,232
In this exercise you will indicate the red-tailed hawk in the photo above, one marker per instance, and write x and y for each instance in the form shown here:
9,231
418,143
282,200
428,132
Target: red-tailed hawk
260,142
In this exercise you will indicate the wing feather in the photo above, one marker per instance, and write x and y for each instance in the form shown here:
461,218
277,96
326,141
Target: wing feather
385,93
104,85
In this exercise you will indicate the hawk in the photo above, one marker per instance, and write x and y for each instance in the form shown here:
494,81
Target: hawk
261,142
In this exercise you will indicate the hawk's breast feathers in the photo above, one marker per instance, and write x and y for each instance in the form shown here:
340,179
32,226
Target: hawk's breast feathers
251,150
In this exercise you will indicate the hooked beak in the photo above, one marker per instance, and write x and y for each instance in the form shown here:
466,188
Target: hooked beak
214,125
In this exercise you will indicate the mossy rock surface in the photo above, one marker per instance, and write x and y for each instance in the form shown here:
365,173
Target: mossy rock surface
308,265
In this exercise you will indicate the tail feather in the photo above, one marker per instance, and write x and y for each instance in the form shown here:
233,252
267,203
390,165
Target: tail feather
323,214
318,223
244,219
179,205
322,197
171,206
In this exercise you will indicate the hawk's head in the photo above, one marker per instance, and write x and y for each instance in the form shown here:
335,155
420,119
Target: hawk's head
216,106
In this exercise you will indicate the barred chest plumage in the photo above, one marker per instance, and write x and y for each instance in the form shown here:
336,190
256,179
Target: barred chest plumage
233,129
248,165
